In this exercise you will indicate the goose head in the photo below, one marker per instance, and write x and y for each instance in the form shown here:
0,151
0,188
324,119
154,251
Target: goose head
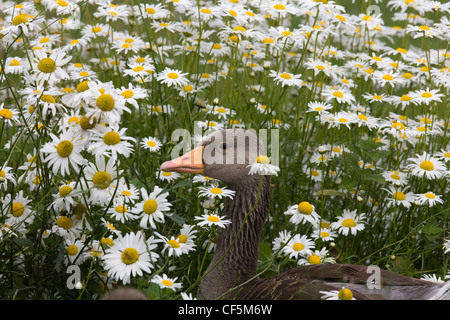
225,155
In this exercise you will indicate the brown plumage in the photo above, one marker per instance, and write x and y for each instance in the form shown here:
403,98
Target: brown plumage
232,273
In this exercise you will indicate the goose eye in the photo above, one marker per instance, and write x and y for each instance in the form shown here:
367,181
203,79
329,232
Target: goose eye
223,146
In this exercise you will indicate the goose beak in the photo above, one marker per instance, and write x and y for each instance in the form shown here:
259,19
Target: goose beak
190,162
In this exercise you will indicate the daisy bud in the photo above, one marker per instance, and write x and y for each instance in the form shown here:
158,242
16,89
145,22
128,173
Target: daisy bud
338,181
78,286
309,79
359,199
266,65
252,74
392,257
252,101
216,101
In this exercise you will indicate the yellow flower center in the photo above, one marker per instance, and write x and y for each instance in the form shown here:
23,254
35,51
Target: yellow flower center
64,191
64,148
47,65
173,243
121,209
109,242
105,102
150,206
285,75
48,98
427,165
345,294
79,210
129,256
101,179
314,259
151,143
279,7
172,75
19,19
64,222
395,176
430,195
17,209
426,95
150,10
262,159
349,223
305,207
400,196
240,28
213,219
182,238
338,94
362,117
187,88
388,77
324,234
14,63
216,190
82,86
111,138
6,113
128,94
72,250
167,283
298,246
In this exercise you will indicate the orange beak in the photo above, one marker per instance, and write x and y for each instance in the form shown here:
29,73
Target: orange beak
190,162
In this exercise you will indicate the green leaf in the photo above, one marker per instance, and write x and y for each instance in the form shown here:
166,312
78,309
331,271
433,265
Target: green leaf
348,183
377,155
431,229
331,192
177,218
374,177
351,161
23,242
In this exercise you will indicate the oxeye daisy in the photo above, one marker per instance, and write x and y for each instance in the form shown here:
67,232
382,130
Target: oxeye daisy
428,198
187,235
9,116
298,245
167,175
151,143
66,226
286,78
172,246
139,70
151,11
396,177
349,222
303,212
443,155
120,211
172,77
343,294
64,151
17,208
132,93
127,258
215,191
325,234
74,251
6,177
399,196
111,143
427,166
262,166
49,67
101,176
212,220
427,96
319,107
152,207
341,95
316,257
63,199
165,282
281,240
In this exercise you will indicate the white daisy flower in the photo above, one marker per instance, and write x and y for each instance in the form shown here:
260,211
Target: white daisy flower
299,245
427,166
212,220
128,257
302,213
428,198
286,78
349,222
262,166
64,151
172,77
216,192
152,207
165,282
343,294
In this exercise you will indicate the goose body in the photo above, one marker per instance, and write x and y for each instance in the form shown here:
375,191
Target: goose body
232,273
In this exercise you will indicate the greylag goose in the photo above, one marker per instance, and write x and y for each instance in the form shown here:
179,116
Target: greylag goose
232,273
